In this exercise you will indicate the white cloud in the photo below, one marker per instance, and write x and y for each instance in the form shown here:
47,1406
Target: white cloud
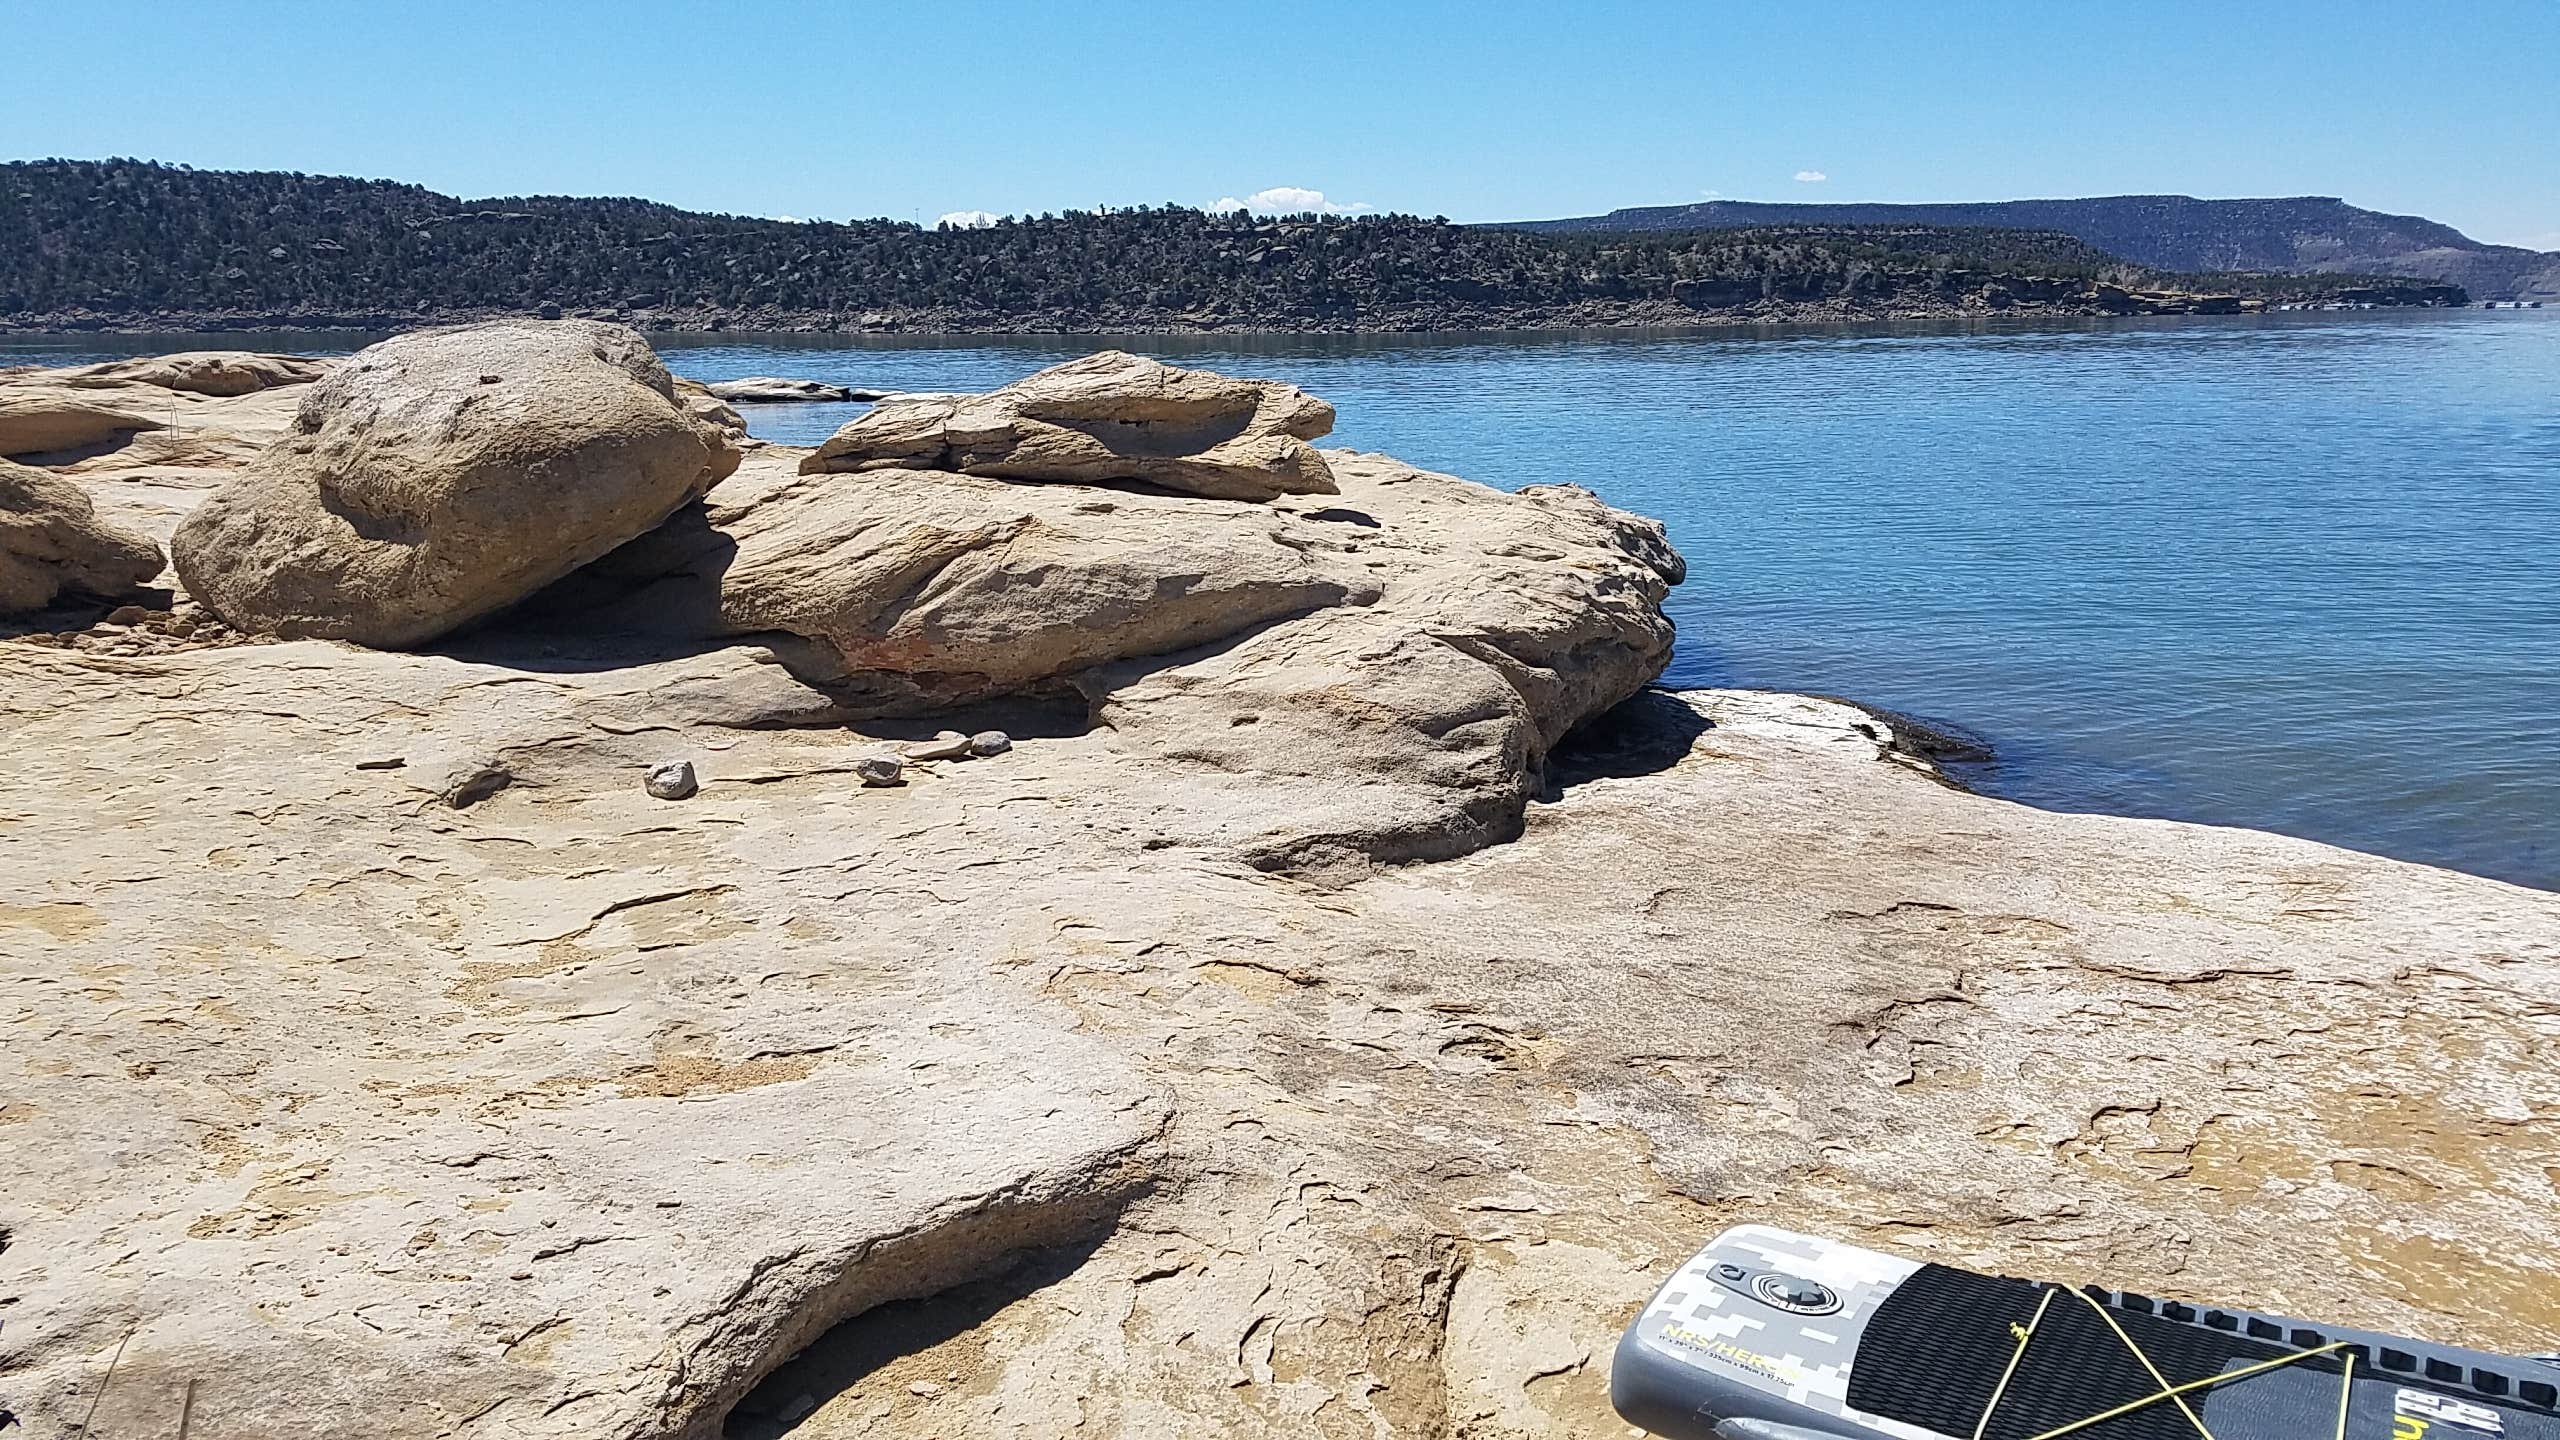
1811,177
966,219
1289,200
788,219
1710,194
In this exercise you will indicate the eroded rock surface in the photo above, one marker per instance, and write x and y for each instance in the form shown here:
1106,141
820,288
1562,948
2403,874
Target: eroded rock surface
575,1112
202,372
75,413
52,543
1376,674
379,1058
1109,416
441,475
38,417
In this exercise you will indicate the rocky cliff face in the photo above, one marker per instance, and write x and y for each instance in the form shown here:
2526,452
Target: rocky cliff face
382,1058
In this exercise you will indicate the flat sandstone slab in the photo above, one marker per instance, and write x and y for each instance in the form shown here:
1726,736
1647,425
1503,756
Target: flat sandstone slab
574,1112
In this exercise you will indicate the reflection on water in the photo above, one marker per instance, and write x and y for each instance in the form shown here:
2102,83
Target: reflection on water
2297,572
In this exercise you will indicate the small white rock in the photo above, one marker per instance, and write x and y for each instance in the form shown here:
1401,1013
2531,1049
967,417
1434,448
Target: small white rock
990,742
949,745
879,769
671,781
925,1389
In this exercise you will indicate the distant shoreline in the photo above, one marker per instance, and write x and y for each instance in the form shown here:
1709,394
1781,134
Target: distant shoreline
1636,315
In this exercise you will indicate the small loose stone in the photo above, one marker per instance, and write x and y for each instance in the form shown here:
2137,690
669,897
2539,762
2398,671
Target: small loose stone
672,781
949,745
990,742
879,770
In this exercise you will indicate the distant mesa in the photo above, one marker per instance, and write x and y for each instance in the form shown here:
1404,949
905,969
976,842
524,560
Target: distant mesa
2304,235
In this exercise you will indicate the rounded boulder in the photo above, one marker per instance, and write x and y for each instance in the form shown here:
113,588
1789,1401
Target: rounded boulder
443,475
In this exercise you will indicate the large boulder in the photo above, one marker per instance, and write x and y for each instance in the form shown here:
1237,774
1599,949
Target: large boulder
441,475
1418,727
51,543
923,589
1107,417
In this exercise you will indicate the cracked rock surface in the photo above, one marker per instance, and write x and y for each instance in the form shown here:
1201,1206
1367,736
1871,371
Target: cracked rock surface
1105,1086
1376,674
576,1113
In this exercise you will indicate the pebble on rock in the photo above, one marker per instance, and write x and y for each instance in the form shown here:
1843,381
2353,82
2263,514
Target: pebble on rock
672,781
949,745
879,769
990,742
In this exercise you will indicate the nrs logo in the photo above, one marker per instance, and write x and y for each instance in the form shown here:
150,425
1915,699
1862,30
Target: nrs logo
2414,1411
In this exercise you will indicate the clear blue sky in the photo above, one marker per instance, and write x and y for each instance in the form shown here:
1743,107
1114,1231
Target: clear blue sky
1480,111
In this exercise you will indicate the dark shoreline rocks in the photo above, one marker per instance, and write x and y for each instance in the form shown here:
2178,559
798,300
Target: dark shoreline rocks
775,390
1983,302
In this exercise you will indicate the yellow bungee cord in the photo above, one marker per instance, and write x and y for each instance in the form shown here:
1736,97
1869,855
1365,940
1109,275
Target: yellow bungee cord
2174,1393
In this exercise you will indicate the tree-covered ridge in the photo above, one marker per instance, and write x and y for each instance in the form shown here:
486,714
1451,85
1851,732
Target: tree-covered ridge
2303,234
137,243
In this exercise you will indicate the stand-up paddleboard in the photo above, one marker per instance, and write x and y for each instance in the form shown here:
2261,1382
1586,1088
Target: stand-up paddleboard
1770,1335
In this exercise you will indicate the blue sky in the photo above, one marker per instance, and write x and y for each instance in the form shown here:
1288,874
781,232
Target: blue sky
1479,111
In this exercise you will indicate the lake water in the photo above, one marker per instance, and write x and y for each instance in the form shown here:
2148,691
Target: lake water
2297,572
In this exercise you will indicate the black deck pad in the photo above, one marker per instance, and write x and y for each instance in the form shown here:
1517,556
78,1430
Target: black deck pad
1936,1349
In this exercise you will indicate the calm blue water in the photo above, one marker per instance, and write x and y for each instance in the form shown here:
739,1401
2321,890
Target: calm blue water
2295,572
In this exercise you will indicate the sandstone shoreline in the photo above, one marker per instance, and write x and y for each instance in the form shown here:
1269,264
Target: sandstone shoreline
1069,1091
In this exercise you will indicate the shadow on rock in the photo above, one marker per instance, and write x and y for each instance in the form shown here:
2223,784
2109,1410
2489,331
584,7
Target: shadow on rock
859,1359
1645,735
665,583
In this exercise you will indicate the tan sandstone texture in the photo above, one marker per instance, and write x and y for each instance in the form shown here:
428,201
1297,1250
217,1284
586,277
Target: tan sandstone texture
1108,416
202,372
38,417
379,1058
51,542
46,413
1376,674
439,476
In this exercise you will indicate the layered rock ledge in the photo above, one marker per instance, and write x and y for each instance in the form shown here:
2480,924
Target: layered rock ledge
1060,1092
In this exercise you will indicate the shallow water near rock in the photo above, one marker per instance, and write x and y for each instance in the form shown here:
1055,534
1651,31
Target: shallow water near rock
2295,572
